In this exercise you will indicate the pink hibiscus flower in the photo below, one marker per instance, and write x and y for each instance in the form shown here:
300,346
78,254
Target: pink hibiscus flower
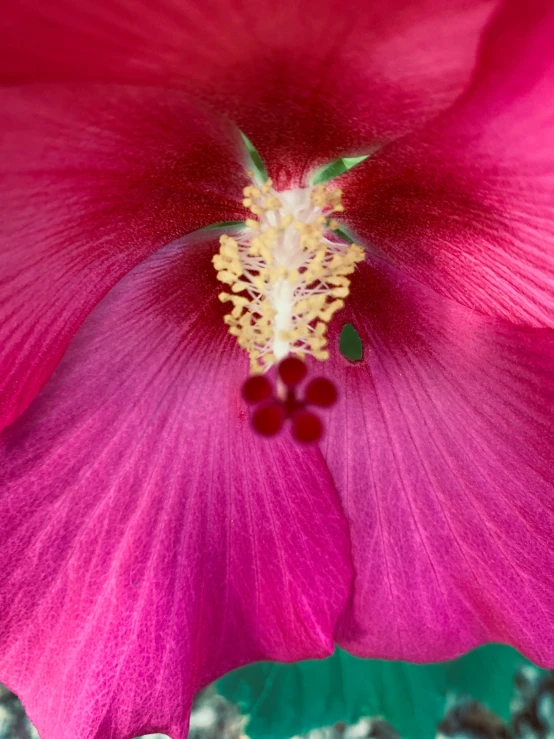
151,540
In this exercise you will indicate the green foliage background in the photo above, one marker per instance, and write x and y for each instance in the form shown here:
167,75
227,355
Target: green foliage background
283,700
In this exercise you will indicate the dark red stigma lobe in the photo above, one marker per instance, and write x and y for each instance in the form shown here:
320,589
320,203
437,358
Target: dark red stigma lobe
256,389
322,392
306,426
269,419
292,371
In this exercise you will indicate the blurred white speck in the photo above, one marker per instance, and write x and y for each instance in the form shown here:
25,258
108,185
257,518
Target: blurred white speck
359,729
203,718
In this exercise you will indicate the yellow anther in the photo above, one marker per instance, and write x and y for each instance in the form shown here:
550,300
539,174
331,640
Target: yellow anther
267,186
239,286
286,221
254,225
237,312
272,203
339,281
255,368
227,277
358,252
337,261
238,300
314,272
319,196
317,342
244,320
251,192
346,270
318,257
322,355
229,249
218,262
266,309
330,310
228,245
236,268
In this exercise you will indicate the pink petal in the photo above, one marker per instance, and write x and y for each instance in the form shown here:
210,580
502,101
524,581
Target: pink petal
467,204
307,81
443,450
150,540
93,179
